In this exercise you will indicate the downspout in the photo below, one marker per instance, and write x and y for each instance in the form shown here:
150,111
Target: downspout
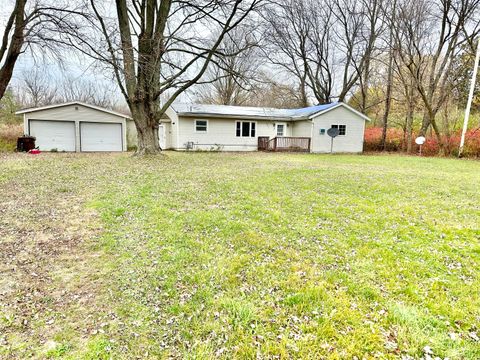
311,135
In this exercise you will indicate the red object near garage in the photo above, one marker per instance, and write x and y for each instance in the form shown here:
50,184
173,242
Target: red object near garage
34,152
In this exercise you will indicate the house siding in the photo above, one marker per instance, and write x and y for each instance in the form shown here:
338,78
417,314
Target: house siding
76,113
302,128
131,134
352,142
221,134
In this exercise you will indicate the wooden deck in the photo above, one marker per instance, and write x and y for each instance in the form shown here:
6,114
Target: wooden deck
289,143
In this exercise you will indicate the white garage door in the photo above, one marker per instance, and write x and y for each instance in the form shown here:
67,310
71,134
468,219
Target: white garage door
100,137
59,135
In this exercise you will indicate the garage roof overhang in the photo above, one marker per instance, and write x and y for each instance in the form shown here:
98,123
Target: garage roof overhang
26,111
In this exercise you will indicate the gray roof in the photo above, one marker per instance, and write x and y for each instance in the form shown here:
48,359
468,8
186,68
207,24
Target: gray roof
245,112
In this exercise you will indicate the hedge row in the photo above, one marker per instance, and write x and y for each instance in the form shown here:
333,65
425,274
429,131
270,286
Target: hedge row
396,142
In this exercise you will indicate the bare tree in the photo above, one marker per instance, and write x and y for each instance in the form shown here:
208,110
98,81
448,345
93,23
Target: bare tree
31,24
270,93
87,90
41,86
287,29
430,34
13,40
326,45
157,49
232,78
388,92
38,87
374,27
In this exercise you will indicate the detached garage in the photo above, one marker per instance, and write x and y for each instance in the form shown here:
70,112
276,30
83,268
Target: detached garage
77,127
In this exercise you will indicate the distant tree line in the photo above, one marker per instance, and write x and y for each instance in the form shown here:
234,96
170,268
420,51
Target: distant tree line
406,63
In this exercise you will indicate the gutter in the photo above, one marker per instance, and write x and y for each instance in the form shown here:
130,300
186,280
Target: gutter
242,117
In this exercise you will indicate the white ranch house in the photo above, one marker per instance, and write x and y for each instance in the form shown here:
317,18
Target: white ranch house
81,127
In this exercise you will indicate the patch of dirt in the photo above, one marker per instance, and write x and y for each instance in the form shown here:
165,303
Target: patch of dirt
46,251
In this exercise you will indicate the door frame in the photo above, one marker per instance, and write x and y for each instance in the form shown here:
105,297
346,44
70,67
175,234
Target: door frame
164,136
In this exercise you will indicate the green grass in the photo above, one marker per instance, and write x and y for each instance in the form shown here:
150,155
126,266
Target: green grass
279,256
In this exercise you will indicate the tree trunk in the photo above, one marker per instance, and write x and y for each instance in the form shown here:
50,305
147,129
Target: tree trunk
429,119
388,95
147,130
425,123
10,53
388,101
303,93
409,127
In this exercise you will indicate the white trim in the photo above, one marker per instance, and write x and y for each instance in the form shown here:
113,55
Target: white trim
195,126
311,135
363,116
26,111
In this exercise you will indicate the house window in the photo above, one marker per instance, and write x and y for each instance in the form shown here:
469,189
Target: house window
245,129
342,129
201,125
280,129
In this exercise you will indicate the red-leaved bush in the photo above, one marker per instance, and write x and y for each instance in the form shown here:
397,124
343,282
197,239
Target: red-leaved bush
396,141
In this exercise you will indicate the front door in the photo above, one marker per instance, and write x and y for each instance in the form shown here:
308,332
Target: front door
281,129
162,138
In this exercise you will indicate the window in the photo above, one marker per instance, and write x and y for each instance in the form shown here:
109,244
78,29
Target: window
322,131
245,129
342,129
201,125
280,129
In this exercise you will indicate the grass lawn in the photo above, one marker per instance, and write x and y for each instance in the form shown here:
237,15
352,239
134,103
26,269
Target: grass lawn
211,255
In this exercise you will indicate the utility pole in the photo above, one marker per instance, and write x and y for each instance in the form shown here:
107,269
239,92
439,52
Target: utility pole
470,99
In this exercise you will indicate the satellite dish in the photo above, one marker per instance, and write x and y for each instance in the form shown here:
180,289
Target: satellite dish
420,140
333,132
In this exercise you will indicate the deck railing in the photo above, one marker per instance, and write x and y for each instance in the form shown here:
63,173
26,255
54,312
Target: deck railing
289,143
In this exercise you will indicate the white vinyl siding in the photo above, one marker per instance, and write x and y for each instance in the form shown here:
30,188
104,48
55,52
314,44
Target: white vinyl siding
302,128
221,135
351,142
